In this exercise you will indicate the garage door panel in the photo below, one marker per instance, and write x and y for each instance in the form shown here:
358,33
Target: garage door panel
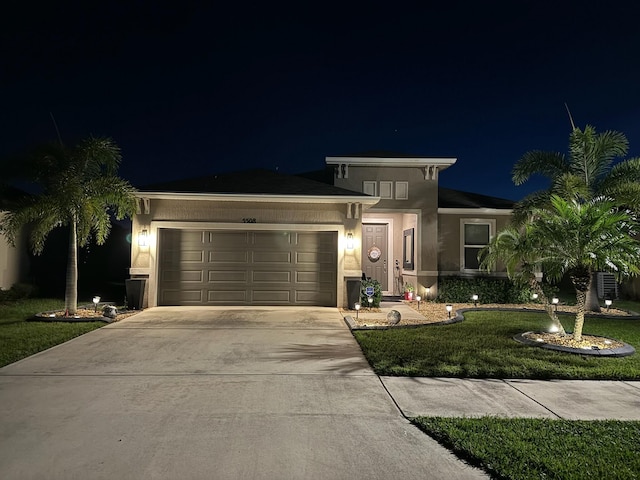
271,257
228,276
226,256
244,268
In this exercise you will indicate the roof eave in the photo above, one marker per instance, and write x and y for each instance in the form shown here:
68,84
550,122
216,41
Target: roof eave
258,197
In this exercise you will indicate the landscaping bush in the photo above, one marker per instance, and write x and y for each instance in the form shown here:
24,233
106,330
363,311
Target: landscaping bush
377,293
489,290
18,291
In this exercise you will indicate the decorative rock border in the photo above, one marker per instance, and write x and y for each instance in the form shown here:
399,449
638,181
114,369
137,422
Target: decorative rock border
46,316
623,351
351,323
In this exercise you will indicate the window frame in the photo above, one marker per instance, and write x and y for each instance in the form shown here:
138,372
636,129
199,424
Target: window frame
491,222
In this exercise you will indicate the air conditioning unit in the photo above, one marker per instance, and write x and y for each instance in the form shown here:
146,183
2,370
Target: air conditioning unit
607,286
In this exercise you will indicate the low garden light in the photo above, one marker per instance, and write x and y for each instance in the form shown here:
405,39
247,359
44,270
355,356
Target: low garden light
553,329
449,308
418,298
96,301
608,303
357,309
534,297
555,301
370,300
474,297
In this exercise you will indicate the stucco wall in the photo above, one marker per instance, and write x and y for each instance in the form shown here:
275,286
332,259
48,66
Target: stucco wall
13,262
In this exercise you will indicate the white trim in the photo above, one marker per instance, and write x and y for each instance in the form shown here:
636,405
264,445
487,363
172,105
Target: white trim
370,187
402,187
475,211
392,161
386,189
233,197
428,273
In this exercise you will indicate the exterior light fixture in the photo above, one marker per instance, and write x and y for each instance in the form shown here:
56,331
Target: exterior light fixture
357,310
370,300
553,329
555,301
349,241
608,303
427,292
449,308
474,297
418,298
534,297
96,301
143,238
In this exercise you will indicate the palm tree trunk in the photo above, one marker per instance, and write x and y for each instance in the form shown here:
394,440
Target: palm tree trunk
71,285
581,282
535,286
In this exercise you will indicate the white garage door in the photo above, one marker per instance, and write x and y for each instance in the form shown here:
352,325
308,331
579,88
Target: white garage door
247,268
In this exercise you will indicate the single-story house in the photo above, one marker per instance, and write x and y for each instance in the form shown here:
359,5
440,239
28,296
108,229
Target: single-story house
263,238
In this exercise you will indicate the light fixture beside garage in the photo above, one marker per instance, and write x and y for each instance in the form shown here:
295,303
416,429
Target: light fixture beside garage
143,238
349,241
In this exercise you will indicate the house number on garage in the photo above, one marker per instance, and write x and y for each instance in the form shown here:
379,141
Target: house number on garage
248,220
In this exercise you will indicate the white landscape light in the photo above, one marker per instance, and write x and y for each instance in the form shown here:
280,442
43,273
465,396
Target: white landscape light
555,301
474,297
534,296
418,298
357,309
370,300
608,303
449,308
96,301
553,329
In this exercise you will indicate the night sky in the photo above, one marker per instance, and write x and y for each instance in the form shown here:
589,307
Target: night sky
189,90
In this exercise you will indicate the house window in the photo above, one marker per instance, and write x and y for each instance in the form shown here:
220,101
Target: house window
402,190
385,190
475,235
369,188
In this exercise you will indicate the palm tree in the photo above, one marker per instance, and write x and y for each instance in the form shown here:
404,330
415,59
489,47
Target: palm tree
581,237
522,260
78,188
594,168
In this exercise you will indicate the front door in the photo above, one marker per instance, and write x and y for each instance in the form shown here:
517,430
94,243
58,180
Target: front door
374,253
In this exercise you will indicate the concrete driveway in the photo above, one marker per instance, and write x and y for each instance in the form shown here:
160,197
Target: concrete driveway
202,393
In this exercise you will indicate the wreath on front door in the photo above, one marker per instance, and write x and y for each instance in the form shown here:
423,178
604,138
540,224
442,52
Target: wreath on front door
374,254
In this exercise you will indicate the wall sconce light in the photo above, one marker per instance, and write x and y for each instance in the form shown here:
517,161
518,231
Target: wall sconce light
449,308
143,238
349,241
427,292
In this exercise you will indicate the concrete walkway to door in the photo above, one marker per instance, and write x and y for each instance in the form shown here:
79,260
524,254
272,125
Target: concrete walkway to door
200,393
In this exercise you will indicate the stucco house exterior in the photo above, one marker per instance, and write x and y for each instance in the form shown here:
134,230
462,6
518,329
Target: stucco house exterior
262,238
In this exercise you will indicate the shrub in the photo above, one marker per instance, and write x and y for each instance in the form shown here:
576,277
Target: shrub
488,289
18,291
377,293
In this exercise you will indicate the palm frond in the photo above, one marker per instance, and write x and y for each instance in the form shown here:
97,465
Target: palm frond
548,164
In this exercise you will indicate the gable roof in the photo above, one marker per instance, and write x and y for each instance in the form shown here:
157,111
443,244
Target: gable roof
252,182
448,198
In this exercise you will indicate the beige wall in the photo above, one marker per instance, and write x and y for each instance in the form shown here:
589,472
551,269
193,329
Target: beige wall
13,262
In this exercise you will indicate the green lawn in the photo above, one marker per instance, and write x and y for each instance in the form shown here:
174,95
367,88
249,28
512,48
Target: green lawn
19,338
482,347
541,448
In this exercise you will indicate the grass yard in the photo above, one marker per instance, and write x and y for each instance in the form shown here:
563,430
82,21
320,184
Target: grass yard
20,339
541,448
482,347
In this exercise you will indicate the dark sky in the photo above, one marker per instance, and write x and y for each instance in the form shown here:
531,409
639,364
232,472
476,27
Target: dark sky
188,90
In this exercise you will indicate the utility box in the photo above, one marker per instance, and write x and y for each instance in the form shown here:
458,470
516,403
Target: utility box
135,293
353,292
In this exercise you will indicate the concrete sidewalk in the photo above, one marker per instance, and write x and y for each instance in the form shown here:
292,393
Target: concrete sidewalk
565,399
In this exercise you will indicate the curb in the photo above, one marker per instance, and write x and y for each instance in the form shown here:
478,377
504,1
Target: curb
623,351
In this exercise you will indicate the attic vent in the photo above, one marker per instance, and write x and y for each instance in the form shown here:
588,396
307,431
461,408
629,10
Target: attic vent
607,286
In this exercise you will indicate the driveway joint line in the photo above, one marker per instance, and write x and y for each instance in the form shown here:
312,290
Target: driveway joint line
531,398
